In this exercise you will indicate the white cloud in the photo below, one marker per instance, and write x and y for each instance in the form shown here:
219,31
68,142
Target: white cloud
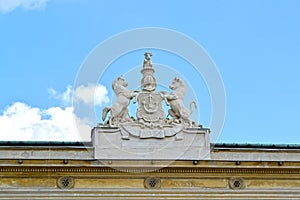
20,122
65,97
9,5
91,94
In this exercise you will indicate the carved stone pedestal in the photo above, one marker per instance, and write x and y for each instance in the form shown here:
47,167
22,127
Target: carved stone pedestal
193,144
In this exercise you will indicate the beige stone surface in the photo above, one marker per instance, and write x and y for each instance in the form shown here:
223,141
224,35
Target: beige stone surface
27,173
126,179
194,145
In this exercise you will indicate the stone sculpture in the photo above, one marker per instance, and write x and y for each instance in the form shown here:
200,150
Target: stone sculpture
151,119
179,113
150,135
147,61
150,112
119,110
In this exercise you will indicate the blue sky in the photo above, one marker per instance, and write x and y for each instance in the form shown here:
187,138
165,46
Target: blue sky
254,43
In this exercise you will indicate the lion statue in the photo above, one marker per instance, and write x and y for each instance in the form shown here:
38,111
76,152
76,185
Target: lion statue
179,113
118,111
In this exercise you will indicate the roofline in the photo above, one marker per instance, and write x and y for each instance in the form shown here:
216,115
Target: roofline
253,146
45,143
89,143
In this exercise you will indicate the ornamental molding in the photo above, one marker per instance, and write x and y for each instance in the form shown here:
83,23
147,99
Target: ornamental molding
124,171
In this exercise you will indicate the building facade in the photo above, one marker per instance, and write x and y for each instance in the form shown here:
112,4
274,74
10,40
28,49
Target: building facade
150,156
37,170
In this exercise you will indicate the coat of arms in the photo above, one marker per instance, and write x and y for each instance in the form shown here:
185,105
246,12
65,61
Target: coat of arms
151,120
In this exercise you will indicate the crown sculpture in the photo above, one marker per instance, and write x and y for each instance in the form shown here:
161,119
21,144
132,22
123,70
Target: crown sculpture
151,132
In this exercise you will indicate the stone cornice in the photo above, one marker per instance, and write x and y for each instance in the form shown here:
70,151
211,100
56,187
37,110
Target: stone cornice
132,170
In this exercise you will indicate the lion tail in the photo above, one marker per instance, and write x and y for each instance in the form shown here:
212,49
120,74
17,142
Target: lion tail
191,107
104,112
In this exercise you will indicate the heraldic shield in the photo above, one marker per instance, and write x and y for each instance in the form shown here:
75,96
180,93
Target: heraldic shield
150,108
